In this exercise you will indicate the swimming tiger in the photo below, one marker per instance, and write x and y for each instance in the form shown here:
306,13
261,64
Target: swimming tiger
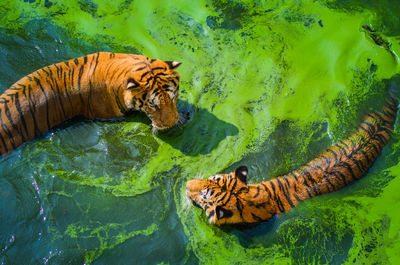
228,199
102,85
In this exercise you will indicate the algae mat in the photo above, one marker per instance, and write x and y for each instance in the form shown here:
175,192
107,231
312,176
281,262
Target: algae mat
266,84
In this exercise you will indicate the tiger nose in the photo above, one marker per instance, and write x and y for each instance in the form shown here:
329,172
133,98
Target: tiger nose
195,185
169,119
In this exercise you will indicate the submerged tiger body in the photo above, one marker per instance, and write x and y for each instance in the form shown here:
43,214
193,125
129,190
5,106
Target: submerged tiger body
228,199
102,85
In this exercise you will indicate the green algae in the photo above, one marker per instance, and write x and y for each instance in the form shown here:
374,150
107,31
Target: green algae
269,84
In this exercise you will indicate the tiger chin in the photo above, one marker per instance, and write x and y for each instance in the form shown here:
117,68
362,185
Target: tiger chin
103,85
228,199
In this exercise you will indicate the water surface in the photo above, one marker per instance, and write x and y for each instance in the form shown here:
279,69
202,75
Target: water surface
267,84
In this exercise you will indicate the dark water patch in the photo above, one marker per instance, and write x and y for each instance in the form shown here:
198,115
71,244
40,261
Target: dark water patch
155,248
232,15
294,15
385,10
201,134
288,147
34,48
89,7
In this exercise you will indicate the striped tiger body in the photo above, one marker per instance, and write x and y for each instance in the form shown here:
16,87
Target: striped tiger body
228,199
101,85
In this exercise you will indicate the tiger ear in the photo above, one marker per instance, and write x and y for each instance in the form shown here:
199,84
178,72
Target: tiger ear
173,65
241,173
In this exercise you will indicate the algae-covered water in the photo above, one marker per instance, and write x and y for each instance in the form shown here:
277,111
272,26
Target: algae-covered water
268,84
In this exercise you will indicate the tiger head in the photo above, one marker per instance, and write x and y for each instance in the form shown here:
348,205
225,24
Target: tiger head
227,199
152,86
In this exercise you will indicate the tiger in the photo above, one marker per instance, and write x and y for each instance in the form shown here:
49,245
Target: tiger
227,199
102,85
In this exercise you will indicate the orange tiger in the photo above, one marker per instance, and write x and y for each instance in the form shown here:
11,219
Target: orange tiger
101,85
228,199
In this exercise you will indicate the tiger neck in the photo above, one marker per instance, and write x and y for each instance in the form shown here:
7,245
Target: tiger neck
262,201
274,196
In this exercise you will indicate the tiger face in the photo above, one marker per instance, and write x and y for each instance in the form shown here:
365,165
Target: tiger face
226,198
153,87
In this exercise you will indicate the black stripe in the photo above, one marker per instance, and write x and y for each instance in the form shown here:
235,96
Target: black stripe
294,175
333,153
257,218
58,70
211,214
387,130
342,149
297,197
79,84
329,182
357,163
18,107
239,207
375,148
66,90
379,137
327,161
47,102
143,75
4,143
279,202
365,130
91,74
370,127
288,185
372,115
307,185
260,205
7,131
52,80
3,100
45,72
119,104
158,68
366,157
141,68
348,167
32,110
223,189
338,173
8,115
312,180
389,116
57,91
285,193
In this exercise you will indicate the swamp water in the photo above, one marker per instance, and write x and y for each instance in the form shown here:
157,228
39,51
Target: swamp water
268,84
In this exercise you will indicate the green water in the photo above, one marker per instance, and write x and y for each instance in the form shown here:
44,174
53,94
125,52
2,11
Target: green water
269,84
